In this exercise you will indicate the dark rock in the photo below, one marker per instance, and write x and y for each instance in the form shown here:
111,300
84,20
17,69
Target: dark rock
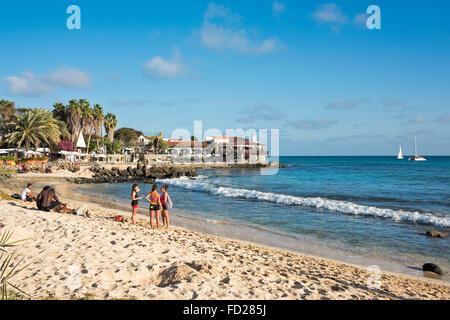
435,234
431,267
139,173
134,174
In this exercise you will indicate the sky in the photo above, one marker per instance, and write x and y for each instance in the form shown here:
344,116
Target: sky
311,69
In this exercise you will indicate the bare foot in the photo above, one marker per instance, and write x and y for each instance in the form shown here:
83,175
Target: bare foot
87,214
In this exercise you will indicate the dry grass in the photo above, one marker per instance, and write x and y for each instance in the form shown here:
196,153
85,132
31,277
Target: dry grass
5,196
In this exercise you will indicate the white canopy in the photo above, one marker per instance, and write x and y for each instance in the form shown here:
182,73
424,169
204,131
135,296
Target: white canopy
81,143
69,153
33,152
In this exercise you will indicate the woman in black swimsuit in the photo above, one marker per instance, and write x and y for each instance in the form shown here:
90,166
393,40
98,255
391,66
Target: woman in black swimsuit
155,205
134,201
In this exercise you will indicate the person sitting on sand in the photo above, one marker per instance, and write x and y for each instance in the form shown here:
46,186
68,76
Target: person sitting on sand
27,195
134,201
47,200
155,205
165,212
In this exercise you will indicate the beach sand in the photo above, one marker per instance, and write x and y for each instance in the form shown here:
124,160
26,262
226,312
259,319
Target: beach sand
120,261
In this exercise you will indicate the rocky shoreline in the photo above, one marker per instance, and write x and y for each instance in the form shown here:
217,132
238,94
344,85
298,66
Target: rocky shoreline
148,174
140,173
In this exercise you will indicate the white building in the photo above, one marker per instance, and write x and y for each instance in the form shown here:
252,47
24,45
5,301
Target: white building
143,140
219,149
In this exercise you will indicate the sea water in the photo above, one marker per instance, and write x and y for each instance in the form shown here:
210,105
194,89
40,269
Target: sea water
375,207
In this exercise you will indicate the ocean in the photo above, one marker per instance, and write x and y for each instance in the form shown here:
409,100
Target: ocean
374,208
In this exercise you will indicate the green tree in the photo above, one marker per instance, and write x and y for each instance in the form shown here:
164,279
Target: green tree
73,120
157,144
127,136
59,111
34,128
91,120
110,125
99,118
113,146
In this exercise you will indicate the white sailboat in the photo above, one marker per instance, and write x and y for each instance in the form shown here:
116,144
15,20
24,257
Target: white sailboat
416,157
400,154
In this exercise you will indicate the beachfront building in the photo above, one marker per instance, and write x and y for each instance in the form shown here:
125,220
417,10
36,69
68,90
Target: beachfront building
219,149
238,150
143,140
187,151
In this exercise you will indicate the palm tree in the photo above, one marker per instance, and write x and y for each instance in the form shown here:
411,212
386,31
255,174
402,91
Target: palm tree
157,143
86,116
73,120
65,134
59,111
34,128
7,110
110,125
95,116
99,117
79,118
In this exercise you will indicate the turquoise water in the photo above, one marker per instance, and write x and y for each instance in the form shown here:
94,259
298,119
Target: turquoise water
378,207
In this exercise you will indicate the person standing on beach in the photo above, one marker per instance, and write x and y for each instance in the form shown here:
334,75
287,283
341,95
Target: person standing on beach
134,201
155,205
165,212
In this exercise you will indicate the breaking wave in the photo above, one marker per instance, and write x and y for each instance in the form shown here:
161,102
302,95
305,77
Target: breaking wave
346,207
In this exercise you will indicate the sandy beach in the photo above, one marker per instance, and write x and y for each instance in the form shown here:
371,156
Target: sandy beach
120,261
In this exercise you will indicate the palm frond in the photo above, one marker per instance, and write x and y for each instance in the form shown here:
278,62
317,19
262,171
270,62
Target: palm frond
7,272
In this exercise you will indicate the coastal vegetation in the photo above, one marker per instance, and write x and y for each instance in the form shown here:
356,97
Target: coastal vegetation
110,125
60,129
35,128
9,268
127,136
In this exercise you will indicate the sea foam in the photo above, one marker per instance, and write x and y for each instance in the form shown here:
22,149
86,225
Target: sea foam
330,205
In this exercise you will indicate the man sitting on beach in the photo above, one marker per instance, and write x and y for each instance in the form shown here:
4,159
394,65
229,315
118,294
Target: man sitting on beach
27,195
47,200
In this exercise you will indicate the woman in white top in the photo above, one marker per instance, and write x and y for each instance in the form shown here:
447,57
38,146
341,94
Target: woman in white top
27,195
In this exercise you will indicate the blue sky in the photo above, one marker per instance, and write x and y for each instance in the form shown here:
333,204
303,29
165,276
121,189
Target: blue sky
309,68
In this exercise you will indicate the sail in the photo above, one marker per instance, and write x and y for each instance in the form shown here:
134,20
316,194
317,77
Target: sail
400,154
415,146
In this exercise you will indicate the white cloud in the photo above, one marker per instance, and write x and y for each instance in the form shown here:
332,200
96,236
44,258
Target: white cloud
26,85
390,102
360,19
444,118
311,124
330,14
221,30
260,112
69,77
278,7
417,119
29,84
159,67
345,104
